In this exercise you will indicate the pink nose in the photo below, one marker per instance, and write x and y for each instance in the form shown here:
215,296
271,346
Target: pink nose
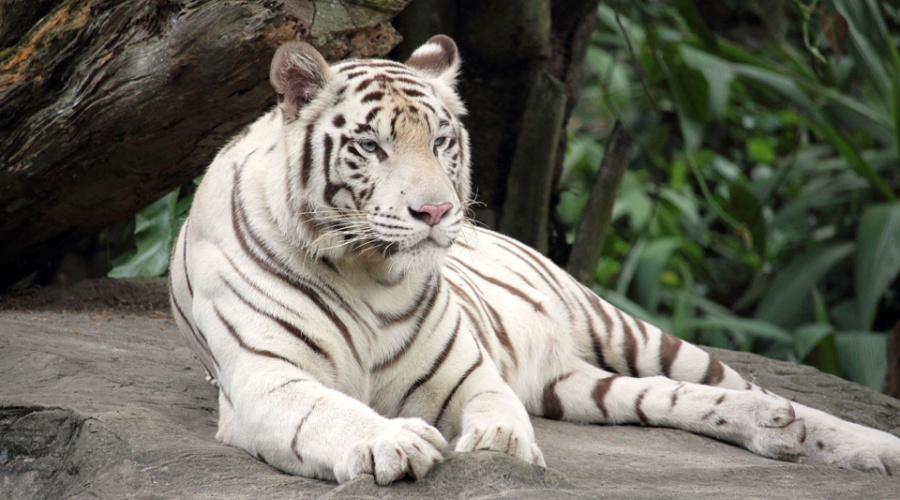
431,214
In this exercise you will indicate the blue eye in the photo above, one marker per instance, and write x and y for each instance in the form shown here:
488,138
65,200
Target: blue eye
440,141
370,146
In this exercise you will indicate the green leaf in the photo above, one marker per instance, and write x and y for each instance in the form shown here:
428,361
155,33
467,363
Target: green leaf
754,327
859,164
631,308
746,208
862,356
791,285
877,260
780,84
153,238
807,337
867,56
895,110
692,17
718,75
690,93
647,278
629,268
761,149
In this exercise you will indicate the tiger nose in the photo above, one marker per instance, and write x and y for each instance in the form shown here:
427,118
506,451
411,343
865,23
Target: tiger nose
431,214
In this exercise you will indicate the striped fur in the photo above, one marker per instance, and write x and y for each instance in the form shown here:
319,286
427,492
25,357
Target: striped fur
352,322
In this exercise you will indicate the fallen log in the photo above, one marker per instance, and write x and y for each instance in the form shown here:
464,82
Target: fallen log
105,105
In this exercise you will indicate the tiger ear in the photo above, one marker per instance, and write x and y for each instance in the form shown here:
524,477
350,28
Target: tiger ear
438,58
297,74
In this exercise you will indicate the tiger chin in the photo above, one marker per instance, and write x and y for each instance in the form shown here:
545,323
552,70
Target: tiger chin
353,321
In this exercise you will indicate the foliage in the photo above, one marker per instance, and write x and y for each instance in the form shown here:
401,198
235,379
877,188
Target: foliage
760,213
155,230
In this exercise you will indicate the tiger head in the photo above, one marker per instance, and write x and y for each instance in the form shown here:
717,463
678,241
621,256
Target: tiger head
377,155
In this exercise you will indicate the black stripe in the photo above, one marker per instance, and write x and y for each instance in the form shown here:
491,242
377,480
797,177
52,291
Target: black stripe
414,334
551,406
364,84
429,106
459,384
524,254
390,319
637,407
412,92
435,365
599,394
372,96
594,301
297,432
715,372
198,335
187,277
479,330
629,345
328,144
240,341
306,156
669,345
370,64
511,289
410,81
372,114
285,325
493,316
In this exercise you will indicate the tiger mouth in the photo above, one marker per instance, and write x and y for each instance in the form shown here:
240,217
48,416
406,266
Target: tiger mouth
389,249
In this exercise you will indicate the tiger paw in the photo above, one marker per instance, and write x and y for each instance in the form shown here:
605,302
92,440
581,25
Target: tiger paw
504,438
835,441
405,447
764,424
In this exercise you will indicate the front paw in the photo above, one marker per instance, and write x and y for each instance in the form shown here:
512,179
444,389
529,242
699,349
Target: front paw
404,447
502,437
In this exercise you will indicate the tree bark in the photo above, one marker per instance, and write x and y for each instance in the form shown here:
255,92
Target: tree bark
892,376
522,66
105,105
597,214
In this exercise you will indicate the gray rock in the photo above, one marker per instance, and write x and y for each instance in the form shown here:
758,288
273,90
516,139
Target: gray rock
107,401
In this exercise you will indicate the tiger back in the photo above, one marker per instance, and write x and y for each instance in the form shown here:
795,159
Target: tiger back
353,320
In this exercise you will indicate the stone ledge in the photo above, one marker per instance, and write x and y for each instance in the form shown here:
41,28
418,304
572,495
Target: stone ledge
109,403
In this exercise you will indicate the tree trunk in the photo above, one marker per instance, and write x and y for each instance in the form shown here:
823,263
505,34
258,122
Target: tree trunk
106,105
892,376
597,215
522,66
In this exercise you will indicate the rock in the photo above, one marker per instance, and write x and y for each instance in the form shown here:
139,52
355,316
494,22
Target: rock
106,400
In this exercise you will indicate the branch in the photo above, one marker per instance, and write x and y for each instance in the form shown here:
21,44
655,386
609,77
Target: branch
597,214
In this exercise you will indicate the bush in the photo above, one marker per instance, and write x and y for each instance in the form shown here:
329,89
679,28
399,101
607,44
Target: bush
759,213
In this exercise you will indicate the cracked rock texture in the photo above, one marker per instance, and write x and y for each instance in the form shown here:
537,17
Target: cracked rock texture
101,398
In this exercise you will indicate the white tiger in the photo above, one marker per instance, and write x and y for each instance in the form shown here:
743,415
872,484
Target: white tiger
353,321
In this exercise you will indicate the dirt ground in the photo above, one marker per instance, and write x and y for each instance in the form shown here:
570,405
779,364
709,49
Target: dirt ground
122,296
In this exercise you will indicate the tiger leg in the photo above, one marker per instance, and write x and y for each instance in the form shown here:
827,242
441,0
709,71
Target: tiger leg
478,407
282,413
292,422
496,420
761,423
633,347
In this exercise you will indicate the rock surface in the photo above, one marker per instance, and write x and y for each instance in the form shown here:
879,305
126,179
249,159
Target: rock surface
101,398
